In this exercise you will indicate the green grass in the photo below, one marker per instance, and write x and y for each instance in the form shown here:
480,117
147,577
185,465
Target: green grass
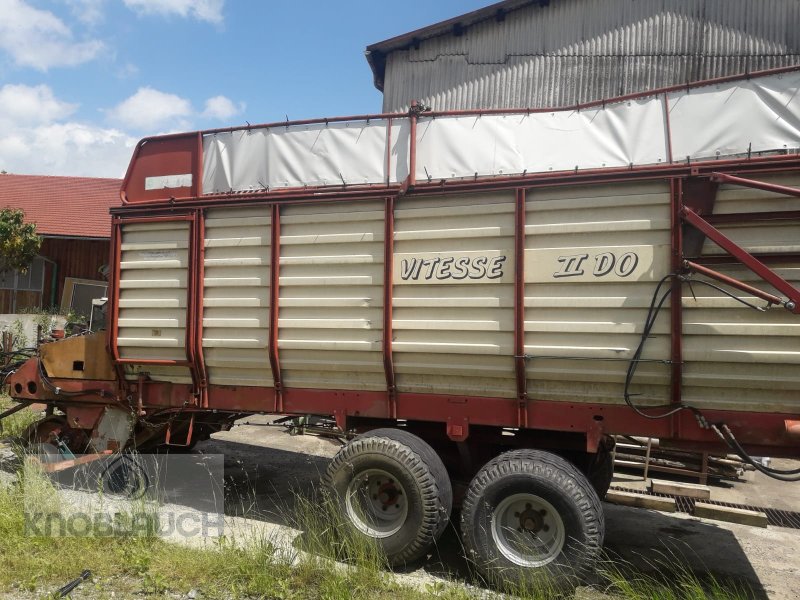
14,425
667,578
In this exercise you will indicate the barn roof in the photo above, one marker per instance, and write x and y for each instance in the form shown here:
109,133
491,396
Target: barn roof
376,53
63,206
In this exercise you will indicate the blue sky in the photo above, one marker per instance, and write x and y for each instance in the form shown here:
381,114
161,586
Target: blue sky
82,80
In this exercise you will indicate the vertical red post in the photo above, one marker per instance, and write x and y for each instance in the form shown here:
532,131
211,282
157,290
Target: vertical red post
676,297
519,308
199,267
388,282
274,298
190,340
112,312
197,176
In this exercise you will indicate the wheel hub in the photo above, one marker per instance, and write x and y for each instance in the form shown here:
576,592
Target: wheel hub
531,520
376,503
527,530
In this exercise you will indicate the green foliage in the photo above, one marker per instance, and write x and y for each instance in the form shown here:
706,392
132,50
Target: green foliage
19,242
14,425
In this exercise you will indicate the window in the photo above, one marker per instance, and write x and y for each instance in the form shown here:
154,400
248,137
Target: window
79,293
32,280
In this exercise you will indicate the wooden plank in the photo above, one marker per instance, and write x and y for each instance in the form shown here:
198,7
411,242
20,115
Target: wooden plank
689,490
641,501
732,515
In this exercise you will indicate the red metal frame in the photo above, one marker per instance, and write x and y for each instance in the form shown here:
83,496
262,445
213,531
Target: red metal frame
549,179
192,311
388,293
747,259
199,312
460,412
274,304
691,205
721,277
676,300
519,309
193,140
759,185
770,434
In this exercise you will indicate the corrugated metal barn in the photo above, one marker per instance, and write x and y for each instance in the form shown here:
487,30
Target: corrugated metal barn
523,53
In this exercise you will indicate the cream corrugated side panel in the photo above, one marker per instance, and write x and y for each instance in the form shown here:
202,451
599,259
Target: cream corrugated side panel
453,313
152,296
736,357
331,296
593,257
236,296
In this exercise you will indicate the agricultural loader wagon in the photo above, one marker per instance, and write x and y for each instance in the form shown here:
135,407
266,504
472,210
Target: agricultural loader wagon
479,299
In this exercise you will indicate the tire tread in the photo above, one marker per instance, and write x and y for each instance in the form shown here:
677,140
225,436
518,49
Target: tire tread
428,471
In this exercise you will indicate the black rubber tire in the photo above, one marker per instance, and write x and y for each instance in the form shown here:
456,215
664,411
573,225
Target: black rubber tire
601,473
421,473
553,479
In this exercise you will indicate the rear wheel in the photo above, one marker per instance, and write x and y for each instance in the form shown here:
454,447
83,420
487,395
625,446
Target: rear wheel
392,487
528,514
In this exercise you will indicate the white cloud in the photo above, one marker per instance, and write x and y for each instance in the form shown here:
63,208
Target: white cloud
91,12
70,148
150,109
32,104
39,39
127,71
40,135
222,108
202,10
37,136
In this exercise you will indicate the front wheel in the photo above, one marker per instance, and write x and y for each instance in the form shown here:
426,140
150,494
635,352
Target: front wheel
392,487
528,514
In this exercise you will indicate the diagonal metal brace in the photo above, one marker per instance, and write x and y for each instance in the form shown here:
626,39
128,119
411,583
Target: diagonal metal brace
747,259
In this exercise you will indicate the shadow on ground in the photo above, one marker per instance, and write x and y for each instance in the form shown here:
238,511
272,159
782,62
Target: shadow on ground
263,482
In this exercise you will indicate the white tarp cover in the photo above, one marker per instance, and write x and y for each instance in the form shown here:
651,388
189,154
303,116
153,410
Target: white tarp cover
554,141
353,153
761,114
724,119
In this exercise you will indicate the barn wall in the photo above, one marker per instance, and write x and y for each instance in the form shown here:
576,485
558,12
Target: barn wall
75,258
574,51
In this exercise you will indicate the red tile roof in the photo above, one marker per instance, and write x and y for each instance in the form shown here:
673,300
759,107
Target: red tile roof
63,206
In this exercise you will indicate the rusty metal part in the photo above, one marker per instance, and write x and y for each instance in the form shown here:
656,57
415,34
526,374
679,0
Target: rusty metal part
78,357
